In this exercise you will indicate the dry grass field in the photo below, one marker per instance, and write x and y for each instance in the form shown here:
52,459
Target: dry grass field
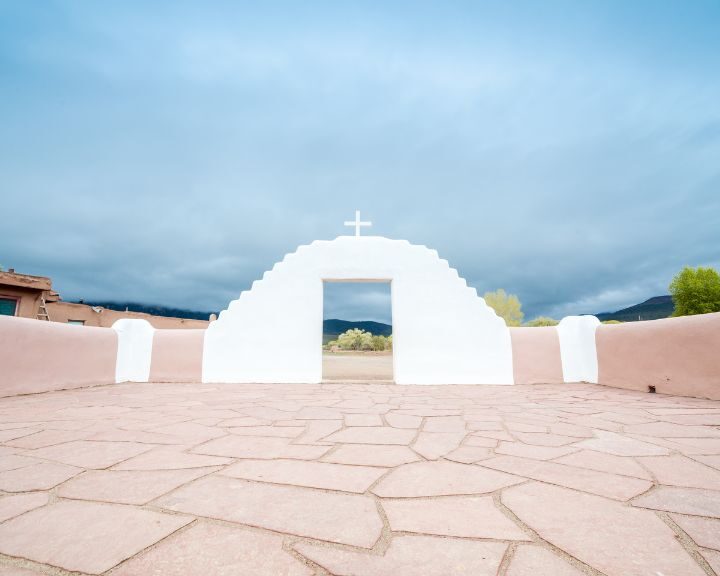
349,366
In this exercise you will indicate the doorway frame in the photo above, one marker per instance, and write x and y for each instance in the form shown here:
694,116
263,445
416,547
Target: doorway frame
337,280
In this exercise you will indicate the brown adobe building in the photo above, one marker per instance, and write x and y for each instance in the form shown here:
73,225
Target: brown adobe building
33,297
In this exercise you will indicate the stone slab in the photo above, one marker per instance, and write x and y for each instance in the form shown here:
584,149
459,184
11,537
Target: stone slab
365,455
90,453
213,550
14,505
441,479
409,555
600,483
612,538
84,536
537,561
342,518
128,487
310,474
373,435
461,516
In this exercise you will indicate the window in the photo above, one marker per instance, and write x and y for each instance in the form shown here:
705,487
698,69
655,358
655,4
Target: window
77,322
8,306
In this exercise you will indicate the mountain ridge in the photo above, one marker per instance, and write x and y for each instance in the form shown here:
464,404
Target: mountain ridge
154,309
651,309
334,327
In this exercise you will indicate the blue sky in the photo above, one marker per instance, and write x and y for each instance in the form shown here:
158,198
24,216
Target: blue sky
170,152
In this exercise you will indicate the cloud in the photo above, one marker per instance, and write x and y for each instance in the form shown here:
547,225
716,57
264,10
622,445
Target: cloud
357,301
568,155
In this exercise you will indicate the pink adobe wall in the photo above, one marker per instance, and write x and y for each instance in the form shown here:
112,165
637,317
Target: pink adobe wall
38,356
177,355
64,311
678,356
536,355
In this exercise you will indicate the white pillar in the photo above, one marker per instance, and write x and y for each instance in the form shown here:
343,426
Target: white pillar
134,354
577,348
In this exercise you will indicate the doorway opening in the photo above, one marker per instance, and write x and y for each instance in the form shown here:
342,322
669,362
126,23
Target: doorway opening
357,331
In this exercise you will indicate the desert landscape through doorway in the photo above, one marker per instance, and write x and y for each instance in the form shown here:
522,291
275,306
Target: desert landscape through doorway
357,331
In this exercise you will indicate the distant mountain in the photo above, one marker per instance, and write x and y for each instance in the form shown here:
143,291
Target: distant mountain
652,309
335,327
155,310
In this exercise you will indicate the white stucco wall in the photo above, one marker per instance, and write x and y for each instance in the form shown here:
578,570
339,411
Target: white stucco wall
443,332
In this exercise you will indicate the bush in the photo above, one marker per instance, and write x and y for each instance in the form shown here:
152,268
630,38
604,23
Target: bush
695,291
379,343
355,339
542,321
507,306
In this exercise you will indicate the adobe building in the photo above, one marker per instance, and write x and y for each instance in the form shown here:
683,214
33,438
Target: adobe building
22,294
30,296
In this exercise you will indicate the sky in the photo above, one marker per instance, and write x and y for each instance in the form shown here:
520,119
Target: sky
171,152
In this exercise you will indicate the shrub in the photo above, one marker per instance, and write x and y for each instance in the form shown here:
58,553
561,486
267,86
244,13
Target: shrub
542,321
355,339
379,343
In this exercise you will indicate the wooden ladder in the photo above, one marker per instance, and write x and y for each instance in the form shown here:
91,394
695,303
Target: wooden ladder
43,311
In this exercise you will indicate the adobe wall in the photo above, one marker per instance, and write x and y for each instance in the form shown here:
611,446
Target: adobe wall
28,300
39,356
678,356
177,356
536,355
64,311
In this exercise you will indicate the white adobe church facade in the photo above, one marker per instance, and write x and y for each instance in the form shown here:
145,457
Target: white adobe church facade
443,332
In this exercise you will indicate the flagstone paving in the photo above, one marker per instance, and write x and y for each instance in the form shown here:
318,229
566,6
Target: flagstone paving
365,480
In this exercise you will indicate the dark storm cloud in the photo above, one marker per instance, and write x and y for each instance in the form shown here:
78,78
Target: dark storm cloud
357,301
172,154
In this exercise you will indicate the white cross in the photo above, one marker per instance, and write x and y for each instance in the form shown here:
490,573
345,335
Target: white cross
357,223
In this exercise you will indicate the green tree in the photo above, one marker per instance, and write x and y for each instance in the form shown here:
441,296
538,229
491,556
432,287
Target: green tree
695,291
506,306
355,339
542,321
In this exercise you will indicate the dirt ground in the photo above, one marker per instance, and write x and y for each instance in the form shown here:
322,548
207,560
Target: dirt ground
357,366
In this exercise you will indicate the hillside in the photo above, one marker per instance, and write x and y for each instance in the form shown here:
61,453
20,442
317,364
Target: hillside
332,328
651,309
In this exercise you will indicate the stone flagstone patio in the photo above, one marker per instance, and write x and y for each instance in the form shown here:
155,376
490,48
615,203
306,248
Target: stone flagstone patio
362,480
